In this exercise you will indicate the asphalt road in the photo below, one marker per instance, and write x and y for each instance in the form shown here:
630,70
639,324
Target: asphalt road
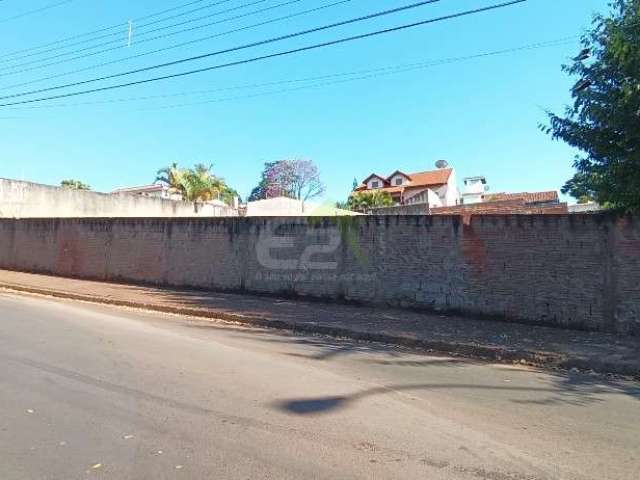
99,392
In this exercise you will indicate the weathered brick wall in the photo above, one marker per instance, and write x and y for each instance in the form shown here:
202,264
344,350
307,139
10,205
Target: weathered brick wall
579,271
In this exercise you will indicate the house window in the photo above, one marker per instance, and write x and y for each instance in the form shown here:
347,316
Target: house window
375,184
398,181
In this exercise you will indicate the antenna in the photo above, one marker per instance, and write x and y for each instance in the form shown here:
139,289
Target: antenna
442,164
130,37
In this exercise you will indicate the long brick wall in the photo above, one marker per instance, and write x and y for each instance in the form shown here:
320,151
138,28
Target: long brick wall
580,271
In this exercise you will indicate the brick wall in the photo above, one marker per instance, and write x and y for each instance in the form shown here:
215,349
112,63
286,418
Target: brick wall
579,271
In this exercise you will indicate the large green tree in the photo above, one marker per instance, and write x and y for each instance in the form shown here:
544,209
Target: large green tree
604,120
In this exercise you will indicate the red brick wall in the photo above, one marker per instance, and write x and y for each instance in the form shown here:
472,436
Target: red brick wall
578,271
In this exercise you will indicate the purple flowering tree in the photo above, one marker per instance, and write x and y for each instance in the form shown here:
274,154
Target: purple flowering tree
295,178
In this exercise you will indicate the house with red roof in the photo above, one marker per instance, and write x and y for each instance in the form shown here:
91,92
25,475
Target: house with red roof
432,188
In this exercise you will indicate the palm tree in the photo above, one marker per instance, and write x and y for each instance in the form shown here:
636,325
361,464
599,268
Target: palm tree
174,178
365,200
197,184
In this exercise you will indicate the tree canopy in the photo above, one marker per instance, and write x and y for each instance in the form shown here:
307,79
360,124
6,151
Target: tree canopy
197,184
362,201
296,178
604,120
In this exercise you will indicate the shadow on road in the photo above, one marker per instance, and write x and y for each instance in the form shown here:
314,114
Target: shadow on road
327,348
570,390
559,388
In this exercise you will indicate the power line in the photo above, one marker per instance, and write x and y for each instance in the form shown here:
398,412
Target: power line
354,76
229,50
190,42
158,37
100,30
269,56
117,40
377,73
37,10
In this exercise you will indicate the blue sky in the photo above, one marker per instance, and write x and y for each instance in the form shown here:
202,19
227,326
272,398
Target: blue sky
481,115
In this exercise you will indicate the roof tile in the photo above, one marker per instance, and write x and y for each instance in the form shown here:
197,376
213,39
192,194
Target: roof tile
528,197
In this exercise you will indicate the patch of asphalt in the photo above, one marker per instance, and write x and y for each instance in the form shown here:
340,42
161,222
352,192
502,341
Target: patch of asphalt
504,355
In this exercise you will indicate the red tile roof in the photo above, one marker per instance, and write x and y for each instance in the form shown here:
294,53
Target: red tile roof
527,197
395,173
431,178
511,207
373,175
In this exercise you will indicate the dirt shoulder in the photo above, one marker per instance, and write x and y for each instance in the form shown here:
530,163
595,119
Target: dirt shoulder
454,335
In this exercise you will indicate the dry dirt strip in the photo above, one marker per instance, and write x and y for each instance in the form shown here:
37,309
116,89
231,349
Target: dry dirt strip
538,358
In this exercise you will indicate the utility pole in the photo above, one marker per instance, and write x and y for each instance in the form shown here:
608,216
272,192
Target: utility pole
130,33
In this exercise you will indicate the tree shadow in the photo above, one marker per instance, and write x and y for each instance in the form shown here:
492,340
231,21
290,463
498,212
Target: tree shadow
328,348
581,389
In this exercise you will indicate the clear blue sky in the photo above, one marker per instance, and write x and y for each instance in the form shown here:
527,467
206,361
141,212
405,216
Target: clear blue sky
481,115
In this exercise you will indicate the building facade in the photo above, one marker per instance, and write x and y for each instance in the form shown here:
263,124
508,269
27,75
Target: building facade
433,188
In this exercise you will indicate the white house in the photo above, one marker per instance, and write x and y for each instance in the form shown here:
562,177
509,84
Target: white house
289,207
157,190
474,190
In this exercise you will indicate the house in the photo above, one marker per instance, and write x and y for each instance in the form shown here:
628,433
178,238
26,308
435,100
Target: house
434,188
530,198
290,207
157,190
474,189
277,207
508,203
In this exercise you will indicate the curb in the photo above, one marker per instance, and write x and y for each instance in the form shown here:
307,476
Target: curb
541,359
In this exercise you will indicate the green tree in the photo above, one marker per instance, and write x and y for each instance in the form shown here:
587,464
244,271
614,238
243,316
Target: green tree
197,184
362,201
604,119
74,184
259,192
173,177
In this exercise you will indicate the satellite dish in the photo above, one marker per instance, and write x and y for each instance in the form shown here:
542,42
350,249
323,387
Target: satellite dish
442,164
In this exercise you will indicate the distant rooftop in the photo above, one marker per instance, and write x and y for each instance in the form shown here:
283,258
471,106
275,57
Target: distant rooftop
527,197
154,187
430,178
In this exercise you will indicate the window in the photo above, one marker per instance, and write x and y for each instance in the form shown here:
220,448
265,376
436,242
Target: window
375,184
398,181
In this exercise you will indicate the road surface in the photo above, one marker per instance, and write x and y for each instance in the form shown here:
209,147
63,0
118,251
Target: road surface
100,392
